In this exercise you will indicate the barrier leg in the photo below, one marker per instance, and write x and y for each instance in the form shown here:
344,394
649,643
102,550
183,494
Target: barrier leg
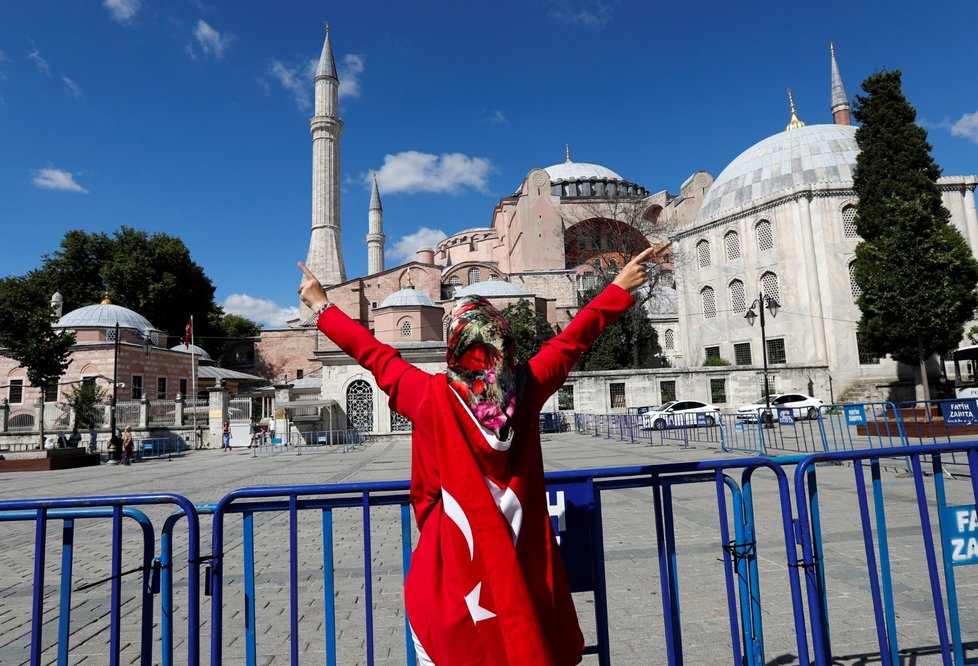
884,546
886,656
732,560
64,618
600,589
666,546
406,565
949,582
368,590
294,578
248,553
756,624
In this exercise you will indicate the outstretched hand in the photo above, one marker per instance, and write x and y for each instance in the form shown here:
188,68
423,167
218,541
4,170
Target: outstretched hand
635,273
311,291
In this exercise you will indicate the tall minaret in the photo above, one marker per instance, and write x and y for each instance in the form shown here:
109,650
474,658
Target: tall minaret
325,258
840,103
375,232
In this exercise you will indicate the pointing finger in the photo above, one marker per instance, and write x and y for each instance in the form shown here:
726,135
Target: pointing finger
642,256
306,271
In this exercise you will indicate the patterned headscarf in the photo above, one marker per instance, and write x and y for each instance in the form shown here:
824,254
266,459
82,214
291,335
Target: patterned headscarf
482,363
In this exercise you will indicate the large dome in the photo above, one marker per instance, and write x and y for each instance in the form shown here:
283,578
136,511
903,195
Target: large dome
104,315
580,171
809,156
490,288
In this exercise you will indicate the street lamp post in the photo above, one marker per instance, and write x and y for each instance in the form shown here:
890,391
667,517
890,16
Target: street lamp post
115,452
763,302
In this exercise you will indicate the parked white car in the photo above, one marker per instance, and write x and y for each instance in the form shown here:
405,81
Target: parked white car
800,406
680,413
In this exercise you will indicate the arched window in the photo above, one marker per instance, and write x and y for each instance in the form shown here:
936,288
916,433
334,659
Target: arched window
474,275
455,281
769,283
399,423
360,405
765,237
853,285
406,328
667,279
849,222
709,302
738,298
669,339
703,252
732,241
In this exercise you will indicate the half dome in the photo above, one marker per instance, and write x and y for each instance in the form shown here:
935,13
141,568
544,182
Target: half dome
104,315
407,296
192,349
490,288
807,157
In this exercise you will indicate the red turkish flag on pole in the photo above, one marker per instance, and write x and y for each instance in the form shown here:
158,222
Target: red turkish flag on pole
188,332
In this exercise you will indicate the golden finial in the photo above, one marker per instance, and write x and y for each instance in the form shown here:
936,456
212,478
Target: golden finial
106,300
794,123
567,159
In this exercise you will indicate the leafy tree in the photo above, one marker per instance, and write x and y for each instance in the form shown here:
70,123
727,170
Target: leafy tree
917,275
530,328
630,342
84,398
27,337
235,326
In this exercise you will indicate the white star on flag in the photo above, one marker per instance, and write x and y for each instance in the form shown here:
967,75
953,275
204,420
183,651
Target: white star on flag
475,610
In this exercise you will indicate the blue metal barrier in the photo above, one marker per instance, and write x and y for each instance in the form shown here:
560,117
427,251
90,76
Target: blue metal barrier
941,422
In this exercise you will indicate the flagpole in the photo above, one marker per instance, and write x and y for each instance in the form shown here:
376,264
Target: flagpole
193,381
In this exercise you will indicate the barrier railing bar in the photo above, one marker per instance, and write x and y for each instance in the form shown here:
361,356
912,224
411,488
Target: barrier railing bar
64,616
886,655
368,579
603,636
667,577
406,565
37,605
884,546
755,619
294,579
250,604
730,563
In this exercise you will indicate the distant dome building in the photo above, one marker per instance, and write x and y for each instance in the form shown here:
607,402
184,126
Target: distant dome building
491,288
103,315
195,350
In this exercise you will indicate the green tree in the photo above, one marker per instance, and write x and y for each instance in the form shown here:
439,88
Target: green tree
917,275
26,335
84,398
530,328
236,326
631,342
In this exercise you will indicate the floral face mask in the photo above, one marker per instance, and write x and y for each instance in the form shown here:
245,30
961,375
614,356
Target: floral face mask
482,363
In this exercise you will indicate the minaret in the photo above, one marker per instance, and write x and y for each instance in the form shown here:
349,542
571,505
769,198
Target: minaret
840,103
375,232
794,123
325,258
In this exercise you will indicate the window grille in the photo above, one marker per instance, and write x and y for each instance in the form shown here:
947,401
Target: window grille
667,391
455,281
668,278
776,352
765,237
616,391
849,222
742,354
161,388
866,355
738,298
399,423
406,328
183,387
713,352
732,240
669,339
110,334
137,387
718,391
703,251
51,392
565,397
854,287
769,282
474,275
360,405
709,303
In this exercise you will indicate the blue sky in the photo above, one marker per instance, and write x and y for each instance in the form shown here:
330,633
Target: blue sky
191,117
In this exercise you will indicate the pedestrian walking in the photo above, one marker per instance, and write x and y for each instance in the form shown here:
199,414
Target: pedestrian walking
128,448
93,440
226,437
487,584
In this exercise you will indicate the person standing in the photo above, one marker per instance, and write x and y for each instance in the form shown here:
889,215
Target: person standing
127,446
92,440
74,439
226,437
487,584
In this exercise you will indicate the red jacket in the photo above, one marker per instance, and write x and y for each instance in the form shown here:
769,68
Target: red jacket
472,595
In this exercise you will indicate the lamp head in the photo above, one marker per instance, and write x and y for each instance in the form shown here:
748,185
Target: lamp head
772,305
750,316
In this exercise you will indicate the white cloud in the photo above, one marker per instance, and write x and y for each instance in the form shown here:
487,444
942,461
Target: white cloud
261,310
39,62
583,13
966,126
294,81
413,171
497,117
56,179
122,11
406,248
349,73
210,41
72,89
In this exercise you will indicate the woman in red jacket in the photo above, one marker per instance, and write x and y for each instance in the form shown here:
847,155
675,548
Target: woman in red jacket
486,583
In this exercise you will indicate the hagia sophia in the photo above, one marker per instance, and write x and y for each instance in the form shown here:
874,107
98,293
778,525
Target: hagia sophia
777,221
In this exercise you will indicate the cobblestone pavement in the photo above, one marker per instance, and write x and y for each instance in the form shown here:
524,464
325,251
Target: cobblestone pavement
636,626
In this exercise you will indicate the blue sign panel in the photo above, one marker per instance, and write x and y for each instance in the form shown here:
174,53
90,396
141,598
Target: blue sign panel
739,425
571,508
960,412
855,415
785,417
960,530
701,420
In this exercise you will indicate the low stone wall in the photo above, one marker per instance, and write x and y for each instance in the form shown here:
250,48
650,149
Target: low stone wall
32,461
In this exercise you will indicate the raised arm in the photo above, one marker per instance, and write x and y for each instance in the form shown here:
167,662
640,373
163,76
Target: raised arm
551,365
391,372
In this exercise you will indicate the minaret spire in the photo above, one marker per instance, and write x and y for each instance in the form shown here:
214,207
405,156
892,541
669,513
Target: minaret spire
325,258
567,159
840,103
375,232
794,123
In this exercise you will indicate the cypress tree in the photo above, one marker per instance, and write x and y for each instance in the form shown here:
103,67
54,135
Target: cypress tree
918,277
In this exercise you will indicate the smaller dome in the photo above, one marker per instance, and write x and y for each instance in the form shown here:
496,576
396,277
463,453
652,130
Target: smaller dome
580,171
490,288
104,315
407,296
192,349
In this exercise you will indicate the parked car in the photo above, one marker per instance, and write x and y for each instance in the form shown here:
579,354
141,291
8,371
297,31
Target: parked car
800,406
680,413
